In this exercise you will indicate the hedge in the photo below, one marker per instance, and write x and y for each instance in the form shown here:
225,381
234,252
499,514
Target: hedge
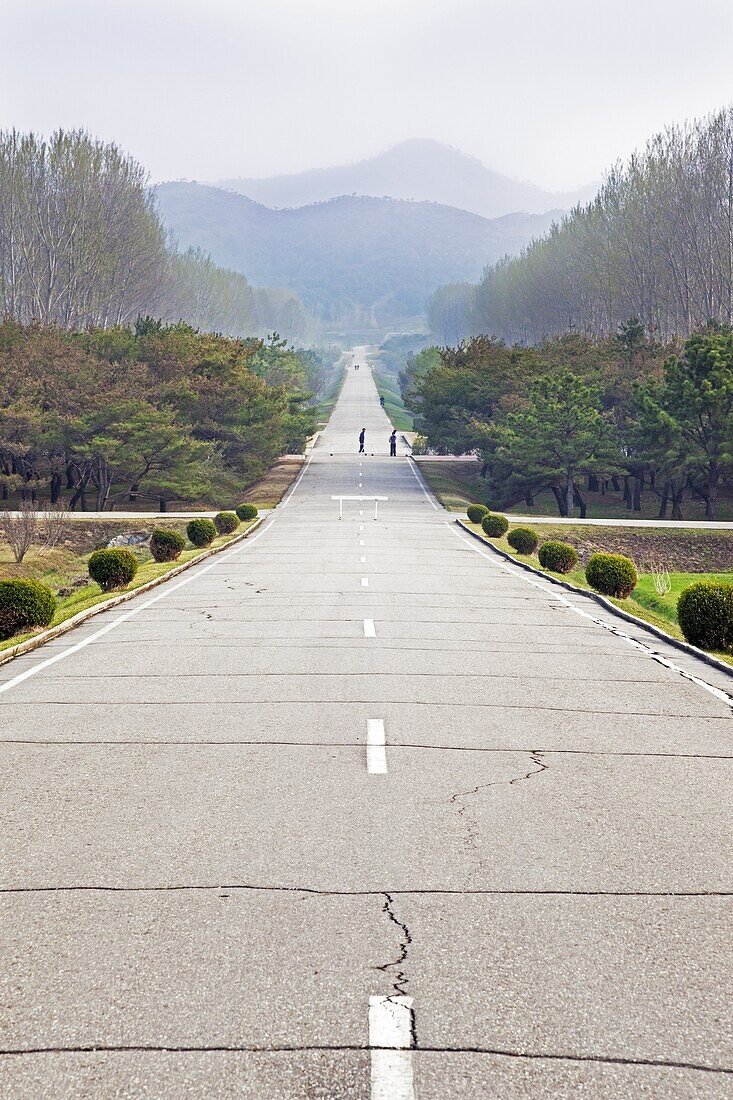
246,512
494,526
523,539
166,545
558,557
24,605
611,574
113,568
705,614
201,532
476,512
226,523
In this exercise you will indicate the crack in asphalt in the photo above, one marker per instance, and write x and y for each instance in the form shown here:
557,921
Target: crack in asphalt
334,893
469,819
53,743
400,978
500,1052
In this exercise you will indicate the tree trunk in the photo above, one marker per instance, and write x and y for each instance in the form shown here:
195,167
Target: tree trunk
55,487
677,495
529,500
163,503
664,501
627,494
578,500
560,498
592,483
569,491
616,486
638,486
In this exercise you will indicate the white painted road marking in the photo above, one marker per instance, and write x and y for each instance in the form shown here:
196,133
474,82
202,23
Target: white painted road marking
361,542
376,747
363,559
369,631
390,1037
364,582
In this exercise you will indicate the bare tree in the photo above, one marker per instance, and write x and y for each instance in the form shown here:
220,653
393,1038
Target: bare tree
20,529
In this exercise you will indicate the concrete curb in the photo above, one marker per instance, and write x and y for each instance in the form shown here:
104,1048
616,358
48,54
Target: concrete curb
685,647
68,624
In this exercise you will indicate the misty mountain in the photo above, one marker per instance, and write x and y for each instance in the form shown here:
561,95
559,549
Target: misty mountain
417,169
358,260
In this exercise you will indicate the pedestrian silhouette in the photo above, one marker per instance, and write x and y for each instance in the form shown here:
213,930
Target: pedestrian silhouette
362,437
393,445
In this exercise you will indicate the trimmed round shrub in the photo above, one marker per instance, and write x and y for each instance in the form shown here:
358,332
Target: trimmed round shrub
705,614
558,557
23,605
494,526
226,522
476,512
113,568
611,574
523,539
201,532
246,512
166,545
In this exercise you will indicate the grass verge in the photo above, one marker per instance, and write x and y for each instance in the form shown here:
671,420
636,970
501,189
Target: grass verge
644,602
394,406
88,595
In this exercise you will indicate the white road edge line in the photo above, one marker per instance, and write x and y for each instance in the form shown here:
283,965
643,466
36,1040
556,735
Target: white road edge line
165,591
717,692
390,1039
369,631
419,480
376,747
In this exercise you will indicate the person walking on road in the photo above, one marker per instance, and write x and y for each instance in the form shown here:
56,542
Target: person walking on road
362,437
393,444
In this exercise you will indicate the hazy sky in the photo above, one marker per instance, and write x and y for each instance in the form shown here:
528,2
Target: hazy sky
546,90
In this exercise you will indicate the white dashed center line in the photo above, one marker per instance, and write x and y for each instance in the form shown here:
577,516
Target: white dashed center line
376,748
363,559
364,582
369,631
390,1027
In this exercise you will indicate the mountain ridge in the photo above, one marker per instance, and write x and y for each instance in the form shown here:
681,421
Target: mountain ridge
419,169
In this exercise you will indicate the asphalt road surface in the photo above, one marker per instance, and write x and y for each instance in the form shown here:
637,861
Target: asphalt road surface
356,809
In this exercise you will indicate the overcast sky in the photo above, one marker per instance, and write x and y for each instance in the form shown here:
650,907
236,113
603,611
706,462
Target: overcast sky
546,90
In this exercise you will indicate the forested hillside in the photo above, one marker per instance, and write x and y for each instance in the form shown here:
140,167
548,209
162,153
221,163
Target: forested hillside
361,261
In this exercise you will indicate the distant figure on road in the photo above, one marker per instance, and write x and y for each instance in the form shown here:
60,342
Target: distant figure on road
356,366
362,437
381,401
393,445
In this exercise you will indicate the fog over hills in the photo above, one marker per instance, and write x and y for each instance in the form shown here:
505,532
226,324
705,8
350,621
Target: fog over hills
416,169
352,260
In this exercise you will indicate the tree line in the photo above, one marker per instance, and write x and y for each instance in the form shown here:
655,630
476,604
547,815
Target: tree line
574,414
154,412
656,243
82,246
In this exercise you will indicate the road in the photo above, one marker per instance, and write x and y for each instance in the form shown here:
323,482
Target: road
356,809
